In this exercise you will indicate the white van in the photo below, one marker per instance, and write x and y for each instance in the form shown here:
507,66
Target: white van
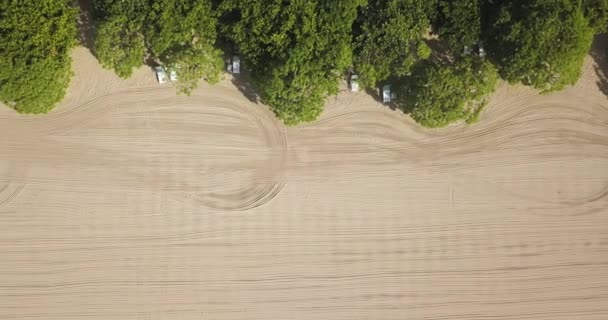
236,65
161,75
386,93
354,82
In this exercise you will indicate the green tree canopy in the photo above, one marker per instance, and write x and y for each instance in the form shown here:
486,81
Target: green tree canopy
296,50
596,12
388,38
182,35
437,94
541,43
179,34
458,22
36,38
119,42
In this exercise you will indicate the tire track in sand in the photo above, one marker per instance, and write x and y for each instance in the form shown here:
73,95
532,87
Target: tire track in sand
258,194
9,192
545,150
151,139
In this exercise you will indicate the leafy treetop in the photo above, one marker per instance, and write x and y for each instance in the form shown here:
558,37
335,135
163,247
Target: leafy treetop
439,94
179,34
297,50
388,38
458,23
36,37
541,43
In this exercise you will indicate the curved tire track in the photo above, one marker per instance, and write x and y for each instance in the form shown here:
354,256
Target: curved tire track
9,192
138,104
257,195
520,131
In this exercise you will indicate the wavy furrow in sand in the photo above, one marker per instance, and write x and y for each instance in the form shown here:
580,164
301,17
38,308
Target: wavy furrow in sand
9,192
150,139
504,151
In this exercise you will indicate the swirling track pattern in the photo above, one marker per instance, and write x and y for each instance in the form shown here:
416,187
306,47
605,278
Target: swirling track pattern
517,137
116,206
163,142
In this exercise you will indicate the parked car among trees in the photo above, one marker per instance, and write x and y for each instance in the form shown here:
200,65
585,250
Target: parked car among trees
298,51
161,75
354,82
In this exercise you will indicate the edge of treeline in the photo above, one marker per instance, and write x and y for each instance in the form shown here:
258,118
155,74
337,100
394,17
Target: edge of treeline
297,52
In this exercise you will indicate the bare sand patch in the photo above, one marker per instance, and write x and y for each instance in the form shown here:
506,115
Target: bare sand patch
131,202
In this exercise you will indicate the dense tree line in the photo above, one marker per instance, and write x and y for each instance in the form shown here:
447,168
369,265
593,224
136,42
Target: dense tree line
298,51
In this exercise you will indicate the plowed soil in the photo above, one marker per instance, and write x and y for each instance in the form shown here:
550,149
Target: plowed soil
129,201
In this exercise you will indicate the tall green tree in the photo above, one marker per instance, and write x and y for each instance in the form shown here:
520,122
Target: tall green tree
36,37
541,43
596,11
439,94
458,23
179,34
388,38
119,41
296,50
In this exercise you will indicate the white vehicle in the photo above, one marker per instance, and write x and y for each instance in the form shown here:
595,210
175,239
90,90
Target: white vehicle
161,75
354,82
236,65
482,52
386,93
229,65
173,75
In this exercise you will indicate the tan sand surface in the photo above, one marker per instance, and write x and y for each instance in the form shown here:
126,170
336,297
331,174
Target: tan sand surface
131,202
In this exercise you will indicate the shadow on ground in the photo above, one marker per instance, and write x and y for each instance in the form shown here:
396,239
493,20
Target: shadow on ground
86,26
246,87
375,93
440,51
599,52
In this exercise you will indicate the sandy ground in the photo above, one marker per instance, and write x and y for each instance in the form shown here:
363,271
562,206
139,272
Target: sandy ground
131,202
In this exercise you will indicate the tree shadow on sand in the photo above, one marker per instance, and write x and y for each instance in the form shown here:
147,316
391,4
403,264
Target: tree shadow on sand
86,27
599,52
245,85
375,93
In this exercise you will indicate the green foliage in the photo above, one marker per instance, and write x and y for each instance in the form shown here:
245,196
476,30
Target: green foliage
182,34
192,64
596,11
541,43
296,50
119,44
36,38
388,38
179,34
437,95
459,23
474,116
